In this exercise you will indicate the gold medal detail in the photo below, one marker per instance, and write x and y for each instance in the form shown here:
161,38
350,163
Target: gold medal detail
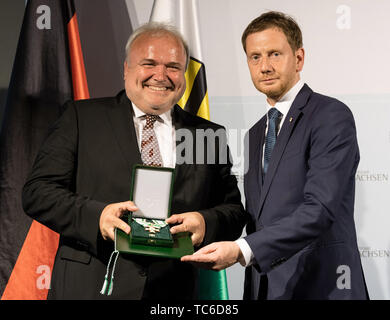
152,229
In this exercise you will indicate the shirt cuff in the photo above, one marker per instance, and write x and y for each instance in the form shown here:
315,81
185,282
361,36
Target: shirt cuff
246,252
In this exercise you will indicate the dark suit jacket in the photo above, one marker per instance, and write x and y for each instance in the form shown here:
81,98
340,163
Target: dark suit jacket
302,229
84,165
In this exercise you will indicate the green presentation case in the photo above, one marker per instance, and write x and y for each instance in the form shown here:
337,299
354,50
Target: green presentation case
182,245
151,191
141,236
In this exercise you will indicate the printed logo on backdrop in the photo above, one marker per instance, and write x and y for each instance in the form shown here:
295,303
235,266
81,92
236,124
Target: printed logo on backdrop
368,176
368,252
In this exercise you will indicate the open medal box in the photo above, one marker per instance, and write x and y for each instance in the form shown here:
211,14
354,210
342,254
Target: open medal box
151,191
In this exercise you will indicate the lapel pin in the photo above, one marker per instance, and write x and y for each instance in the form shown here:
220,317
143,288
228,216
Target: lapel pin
291,119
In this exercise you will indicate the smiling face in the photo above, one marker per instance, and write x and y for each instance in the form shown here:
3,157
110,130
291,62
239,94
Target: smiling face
273,65
154,72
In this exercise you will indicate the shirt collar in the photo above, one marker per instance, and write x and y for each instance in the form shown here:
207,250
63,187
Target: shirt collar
166,117
284,104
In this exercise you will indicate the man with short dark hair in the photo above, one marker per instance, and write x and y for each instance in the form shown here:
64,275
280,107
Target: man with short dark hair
300,184
81,178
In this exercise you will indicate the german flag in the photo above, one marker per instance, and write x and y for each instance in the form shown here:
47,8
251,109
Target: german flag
48,70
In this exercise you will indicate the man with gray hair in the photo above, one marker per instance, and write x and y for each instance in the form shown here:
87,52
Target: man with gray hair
81,178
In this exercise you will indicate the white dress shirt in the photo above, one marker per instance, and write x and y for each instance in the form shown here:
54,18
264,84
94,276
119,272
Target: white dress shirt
165,133
283,105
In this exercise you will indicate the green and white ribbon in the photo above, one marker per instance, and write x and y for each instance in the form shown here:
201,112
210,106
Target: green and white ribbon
151,224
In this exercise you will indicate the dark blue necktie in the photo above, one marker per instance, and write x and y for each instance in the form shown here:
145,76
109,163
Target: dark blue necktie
270,140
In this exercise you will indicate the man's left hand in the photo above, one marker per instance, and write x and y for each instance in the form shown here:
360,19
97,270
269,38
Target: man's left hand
192,222
216,256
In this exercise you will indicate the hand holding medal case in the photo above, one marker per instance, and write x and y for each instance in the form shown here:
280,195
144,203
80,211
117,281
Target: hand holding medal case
151,191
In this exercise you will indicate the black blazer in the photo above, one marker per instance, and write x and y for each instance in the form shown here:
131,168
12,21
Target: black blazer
85,164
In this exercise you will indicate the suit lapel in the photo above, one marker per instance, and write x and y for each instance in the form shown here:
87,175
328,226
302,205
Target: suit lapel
179,121
255,176
121,121
290,122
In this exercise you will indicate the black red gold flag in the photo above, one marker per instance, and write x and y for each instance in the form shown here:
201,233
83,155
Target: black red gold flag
48,70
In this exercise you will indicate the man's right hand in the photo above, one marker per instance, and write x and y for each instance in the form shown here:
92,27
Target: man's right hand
110,219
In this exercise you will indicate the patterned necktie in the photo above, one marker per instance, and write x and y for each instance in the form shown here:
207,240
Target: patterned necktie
270,140
150,152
